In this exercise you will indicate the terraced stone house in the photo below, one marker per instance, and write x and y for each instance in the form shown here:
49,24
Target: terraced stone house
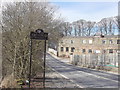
88,44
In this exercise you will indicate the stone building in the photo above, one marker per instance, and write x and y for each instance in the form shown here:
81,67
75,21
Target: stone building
88,44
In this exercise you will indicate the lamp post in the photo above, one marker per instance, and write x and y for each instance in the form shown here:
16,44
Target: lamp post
39,34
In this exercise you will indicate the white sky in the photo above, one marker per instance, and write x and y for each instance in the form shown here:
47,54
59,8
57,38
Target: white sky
93,11
79,10
66,0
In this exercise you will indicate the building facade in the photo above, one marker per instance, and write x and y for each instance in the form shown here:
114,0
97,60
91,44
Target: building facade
88,44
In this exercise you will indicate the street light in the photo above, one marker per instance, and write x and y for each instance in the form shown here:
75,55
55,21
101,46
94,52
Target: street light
39,34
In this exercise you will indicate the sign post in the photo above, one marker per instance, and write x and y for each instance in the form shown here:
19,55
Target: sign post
30,62
39,34
44,63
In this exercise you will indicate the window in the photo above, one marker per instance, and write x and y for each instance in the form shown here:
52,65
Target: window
97,51
71,53
72,49
118,41
118,51
110,41
83,50
103,41
62,49
84,41
90,51
90,41
104,51
67,49
71,41
110,50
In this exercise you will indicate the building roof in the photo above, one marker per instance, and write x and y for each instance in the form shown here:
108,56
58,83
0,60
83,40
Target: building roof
102,36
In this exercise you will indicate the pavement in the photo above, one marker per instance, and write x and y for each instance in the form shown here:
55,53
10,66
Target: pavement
81,77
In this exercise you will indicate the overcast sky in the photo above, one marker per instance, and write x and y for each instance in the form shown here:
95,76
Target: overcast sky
93,11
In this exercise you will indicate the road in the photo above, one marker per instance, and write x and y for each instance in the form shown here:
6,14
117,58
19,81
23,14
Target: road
83,77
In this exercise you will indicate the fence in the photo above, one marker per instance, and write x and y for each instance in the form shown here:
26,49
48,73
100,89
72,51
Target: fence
95,60
52,51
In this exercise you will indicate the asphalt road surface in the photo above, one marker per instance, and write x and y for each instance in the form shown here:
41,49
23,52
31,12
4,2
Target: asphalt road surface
83,77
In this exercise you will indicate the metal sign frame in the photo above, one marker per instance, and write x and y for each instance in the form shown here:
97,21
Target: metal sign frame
39,34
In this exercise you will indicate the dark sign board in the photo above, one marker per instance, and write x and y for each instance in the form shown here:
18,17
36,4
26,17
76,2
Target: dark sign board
39,36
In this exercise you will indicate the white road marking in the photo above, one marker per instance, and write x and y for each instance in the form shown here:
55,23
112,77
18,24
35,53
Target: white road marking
67,78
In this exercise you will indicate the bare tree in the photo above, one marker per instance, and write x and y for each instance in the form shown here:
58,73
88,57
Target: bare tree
104,25
83,27
67,28
75,28
116,21
19,19
111,26
108,26
90,26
